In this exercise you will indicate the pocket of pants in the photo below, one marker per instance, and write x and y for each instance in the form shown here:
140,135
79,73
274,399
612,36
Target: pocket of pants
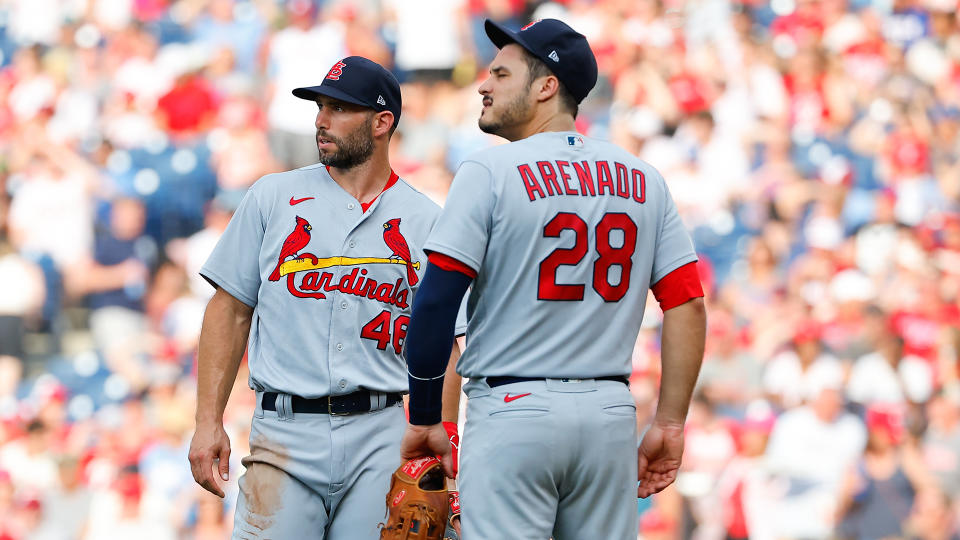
528,405
519,413
620,409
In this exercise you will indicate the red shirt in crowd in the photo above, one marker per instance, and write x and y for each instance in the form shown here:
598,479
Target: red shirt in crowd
189,106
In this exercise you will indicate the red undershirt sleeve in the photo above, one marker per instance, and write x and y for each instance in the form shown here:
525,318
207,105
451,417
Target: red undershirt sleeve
677,287
445,262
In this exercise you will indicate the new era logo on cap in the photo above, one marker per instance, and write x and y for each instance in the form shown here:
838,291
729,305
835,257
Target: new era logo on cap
381,101
554,56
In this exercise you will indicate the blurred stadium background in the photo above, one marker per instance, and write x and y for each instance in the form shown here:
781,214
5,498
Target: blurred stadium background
811,146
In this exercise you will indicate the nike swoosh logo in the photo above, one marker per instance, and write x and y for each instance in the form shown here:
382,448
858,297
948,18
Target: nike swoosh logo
508,398
294,202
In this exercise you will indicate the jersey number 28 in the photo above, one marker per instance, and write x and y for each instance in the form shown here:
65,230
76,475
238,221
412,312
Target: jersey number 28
607,256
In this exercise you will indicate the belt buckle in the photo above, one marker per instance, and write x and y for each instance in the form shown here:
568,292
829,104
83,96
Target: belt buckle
330,410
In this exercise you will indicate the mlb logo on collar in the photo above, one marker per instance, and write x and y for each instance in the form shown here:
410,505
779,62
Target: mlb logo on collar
575,141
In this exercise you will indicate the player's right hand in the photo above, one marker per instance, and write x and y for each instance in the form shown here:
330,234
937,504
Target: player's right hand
658,458
210,457
419,441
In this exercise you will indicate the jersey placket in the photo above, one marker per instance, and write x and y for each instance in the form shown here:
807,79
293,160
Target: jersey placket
342,326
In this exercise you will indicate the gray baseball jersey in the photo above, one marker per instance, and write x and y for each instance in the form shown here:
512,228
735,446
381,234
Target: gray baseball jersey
329,282
567,234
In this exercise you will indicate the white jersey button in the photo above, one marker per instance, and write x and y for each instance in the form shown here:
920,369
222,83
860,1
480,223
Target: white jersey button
351,206
353,243
343,383
343,305
339,346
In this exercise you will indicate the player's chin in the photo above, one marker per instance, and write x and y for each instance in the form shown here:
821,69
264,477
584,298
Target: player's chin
328,158
488,125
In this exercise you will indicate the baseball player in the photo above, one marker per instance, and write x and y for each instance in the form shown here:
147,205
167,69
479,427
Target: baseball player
320,266
561,236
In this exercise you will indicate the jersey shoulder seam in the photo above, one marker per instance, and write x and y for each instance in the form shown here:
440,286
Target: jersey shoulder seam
478,162
270,180
416,192
486,153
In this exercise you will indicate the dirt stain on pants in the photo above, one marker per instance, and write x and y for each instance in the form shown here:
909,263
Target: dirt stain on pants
264,482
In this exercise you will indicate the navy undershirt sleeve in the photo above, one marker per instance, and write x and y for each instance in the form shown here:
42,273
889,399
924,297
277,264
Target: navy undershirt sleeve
430,339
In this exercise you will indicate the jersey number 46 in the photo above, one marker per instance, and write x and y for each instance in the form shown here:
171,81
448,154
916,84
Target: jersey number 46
378,329
607,256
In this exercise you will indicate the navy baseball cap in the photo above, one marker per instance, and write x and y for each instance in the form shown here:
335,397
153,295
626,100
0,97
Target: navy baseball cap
564,50
360,81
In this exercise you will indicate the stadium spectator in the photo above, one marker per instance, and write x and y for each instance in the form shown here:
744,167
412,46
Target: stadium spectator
810,449
812,146
879,492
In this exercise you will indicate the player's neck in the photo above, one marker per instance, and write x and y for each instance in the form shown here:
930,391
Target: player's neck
367,180
553,122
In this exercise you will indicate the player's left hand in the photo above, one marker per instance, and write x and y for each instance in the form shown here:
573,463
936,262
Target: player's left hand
431,440
658,458
453,522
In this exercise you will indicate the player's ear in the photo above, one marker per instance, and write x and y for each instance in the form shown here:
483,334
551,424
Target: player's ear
382,123
546,87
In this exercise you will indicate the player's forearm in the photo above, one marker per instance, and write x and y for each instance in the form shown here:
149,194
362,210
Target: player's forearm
451,388
223,338
430,340
684,330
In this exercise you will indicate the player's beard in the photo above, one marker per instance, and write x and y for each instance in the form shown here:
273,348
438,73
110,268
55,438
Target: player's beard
352,150
515,112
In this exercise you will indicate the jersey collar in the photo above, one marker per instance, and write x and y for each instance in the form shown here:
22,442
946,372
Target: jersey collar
390,182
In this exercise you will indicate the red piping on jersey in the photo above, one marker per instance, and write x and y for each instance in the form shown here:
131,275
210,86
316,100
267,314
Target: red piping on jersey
448,263
678,287
390,182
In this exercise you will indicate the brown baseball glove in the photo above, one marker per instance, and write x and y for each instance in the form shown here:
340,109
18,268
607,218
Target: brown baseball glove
417,502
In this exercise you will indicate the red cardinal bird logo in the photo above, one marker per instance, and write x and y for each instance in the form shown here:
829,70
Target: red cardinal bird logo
296,241
396,242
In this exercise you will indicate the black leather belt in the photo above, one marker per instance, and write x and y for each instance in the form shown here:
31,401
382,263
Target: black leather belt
356,402
493,382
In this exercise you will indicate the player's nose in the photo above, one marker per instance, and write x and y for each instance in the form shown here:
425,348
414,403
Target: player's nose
486,87
322,121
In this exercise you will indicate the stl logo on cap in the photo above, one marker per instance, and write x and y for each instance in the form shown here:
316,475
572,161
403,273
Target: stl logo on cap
336,71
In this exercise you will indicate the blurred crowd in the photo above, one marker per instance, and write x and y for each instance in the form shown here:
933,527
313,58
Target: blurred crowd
812,147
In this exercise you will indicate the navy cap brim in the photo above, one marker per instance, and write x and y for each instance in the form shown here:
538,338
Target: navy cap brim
311,93
501,36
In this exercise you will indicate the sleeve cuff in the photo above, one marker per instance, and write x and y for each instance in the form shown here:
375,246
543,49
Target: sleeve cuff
678,287
450,264
215,281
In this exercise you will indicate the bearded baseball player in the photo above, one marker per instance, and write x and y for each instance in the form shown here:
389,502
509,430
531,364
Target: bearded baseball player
319,266
561,235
